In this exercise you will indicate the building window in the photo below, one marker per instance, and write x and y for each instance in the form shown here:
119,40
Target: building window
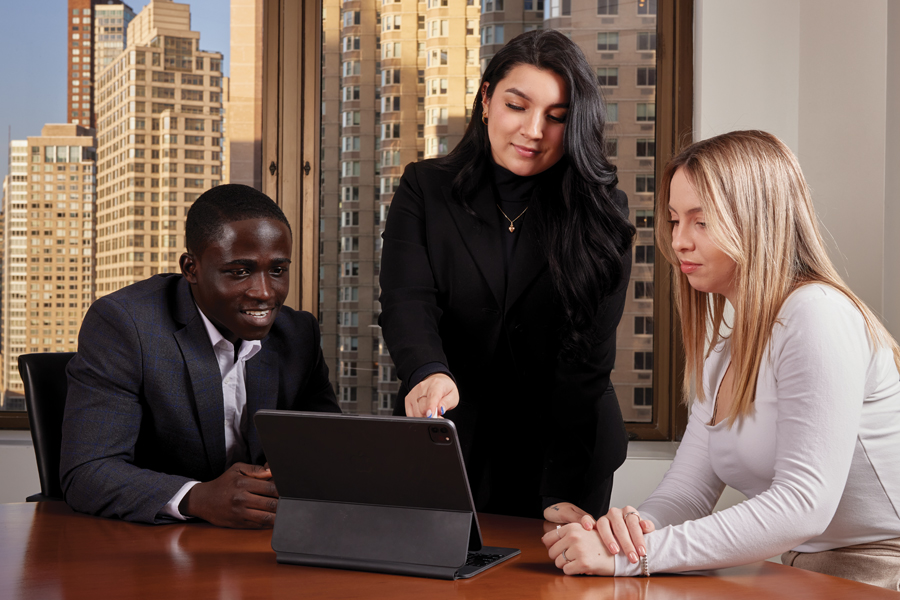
608,76
645,183
646,111
646,76
644,255
607,7
643,325
644,219
612,112
390,131
643,290
608,41
643,397
643,361
646,41
646,7
646,148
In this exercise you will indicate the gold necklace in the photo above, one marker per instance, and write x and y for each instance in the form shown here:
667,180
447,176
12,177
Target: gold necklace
512,227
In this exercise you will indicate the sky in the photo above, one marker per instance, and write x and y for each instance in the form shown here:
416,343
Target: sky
33,44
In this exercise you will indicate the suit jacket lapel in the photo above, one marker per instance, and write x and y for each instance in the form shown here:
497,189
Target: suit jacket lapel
206,379
262,391
480,235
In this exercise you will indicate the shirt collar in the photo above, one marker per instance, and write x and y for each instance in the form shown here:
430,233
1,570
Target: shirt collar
249,348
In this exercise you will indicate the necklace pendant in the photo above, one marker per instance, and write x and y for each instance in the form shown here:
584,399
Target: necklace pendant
512,228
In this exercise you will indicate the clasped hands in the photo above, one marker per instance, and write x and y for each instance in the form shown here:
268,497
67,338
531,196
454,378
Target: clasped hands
242,497
580,545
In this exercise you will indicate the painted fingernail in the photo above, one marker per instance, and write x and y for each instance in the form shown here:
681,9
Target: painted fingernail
428,413
613,549
442,411
642,551
632,557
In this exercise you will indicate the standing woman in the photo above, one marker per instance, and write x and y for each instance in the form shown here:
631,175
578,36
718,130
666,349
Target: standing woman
504,271
798,407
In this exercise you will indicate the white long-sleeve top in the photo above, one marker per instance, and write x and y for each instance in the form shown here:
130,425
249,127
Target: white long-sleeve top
818,458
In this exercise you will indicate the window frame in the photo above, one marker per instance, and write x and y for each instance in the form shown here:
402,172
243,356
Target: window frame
291,99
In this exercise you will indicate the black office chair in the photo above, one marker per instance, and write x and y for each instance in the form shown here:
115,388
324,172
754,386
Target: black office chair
44,377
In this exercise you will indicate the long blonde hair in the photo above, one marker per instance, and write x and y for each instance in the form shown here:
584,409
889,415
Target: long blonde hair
758,210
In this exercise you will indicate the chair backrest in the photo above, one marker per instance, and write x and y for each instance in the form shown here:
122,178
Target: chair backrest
44,378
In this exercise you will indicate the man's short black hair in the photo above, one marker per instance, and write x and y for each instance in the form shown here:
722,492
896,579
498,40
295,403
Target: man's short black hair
226,204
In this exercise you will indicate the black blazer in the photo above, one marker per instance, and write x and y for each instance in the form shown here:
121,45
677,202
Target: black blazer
551,429
144,409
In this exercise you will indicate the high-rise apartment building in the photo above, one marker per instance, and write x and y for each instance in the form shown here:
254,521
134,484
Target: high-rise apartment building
398,82
80,51
111,21
48,244
159,116
619,41
15,254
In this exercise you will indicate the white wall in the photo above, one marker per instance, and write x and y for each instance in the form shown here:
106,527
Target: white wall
824,76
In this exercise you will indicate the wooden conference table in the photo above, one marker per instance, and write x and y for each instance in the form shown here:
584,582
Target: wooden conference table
48,551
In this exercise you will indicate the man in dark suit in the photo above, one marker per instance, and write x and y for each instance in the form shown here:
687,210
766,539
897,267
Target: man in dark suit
170,371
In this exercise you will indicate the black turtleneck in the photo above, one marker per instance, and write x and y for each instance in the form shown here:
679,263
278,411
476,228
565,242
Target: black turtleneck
513,193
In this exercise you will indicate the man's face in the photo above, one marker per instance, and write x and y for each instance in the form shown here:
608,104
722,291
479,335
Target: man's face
241,278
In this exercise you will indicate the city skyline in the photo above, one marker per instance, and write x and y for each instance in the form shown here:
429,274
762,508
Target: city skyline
33,102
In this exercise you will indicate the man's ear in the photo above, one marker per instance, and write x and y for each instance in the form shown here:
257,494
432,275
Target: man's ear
188,267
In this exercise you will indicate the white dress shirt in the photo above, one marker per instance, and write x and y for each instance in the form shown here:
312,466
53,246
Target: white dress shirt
234,394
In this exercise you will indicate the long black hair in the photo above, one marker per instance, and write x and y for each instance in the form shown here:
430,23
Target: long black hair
585,235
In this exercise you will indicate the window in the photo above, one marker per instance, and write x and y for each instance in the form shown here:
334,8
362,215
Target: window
646,76
608,76
351,42
607,7
646,112
349,294
644,219
390,76
643,361
645,183
612,112
643,325
350,218
643,290
608,41
643,397
351,18
646,41
391,22
348,368
348,394
432,117
351,67
390,103
646,7
646,148
643,254
390,130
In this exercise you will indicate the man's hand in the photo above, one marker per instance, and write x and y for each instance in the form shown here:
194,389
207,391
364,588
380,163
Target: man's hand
432,397
243,497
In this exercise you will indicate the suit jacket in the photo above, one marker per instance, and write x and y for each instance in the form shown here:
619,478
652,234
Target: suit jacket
556,427
144,410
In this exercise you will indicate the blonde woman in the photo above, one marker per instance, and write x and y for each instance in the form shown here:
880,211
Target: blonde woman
797,406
